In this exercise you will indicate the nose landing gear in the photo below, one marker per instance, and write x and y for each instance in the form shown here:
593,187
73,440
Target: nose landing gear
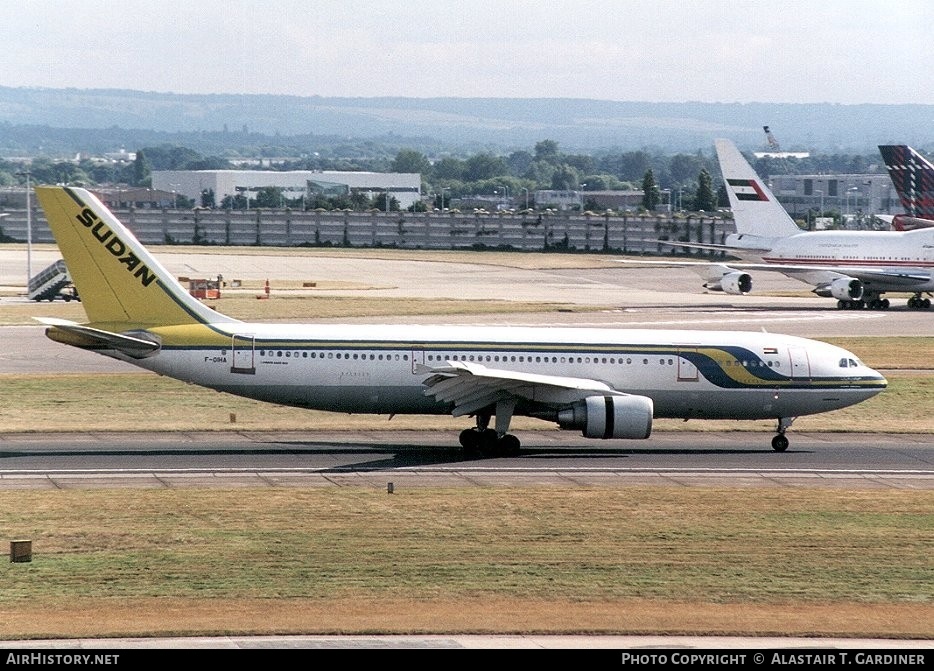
780,442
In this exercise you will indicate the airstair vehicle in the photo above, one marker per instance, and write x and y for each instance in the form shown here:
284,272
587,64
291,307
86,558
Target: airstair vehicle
51,283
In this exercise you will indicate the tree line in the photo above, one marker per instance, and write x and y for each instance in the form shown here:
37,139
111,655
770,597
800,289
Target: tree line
688,181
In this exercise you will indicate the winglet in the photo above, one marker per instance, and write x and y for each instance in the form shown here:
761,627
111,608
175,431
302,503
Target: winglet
122,286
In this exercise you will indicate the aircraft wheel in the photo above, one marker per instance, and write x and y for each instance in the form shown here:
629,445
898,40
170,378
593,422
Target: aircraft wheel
467,438
780,443
841,305
488,442
926,304
510,445
885,303
470,440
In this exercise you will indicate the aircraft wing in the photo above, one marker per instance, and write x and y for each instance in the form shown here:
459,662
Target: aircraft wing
711,246
472,387
85,337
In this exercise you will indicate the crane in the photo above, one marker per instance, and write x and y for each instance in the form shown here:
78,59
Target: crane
770,139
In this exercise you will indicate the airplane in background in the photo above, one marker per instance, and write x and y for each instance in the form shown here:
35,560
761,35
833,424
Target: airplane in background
605,383
913,178
855,267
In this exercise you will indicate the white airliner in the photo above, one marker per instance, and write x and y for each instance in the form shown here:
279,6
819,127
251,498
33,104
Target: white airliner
855,267
606,383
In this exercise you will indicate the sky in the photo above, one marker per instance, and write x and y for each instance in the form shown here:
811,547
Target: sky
783,51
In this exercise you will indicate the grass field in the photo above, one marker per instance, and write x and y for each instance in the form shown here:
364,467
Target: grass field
142,562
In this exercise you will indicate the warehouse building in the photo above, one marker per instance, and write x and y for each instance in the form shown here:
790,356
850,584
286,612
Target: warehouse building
405,187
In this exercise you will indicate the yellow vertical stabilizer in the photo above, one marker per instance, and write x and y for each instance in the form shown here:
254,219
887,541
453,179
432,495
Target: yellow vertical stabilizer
121,285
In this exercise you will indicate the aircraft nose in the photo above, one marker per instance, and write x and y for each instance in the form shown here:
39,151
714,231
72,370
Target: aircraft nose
878,378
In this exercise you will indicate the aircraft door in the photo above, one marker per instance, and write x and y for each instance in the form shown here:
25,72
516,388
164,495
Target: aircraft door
244,351
687,371
800,364
418,359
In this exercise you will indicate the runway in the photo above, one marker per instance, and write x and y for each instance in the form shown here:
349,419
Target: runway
397,460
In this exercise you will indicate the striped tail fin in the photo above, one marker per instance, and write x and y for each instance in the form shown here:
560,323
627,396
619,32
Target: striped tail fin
913,178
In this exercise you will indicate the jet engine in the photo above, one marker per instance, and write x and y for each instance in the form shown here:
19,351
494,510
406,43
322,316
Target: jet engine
735,283
843,289
610,417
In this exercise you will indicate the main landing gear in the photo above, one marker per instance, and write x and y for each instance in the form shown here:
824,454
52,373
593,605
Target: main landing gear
780,442
871,301
874,302
487,442
916,302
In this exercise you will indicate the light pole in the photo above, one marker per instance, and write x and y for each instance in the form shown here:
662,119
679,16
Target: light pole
442,199
850,190
820,213
582,195
28,228
526,197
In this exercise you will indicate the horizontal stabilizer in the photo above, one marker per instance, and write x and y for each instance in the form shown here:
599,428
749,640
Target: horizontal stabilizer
85,337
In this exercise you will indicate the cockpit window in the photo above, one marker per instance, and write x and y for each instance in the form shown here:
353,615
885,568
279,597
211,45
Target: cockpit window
849,363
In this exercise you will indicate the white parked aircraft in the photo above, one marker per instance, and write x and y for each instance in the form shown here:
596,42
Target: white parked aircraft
606,383
855,267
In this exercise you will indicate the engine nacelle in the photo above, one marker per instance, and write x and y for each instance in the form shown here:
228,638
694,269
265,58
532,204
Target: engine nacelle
735,283
610,417
843,289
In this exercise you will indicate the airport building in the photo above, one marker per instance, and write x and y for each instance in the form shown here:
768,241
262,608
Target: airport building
405,187
854,194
